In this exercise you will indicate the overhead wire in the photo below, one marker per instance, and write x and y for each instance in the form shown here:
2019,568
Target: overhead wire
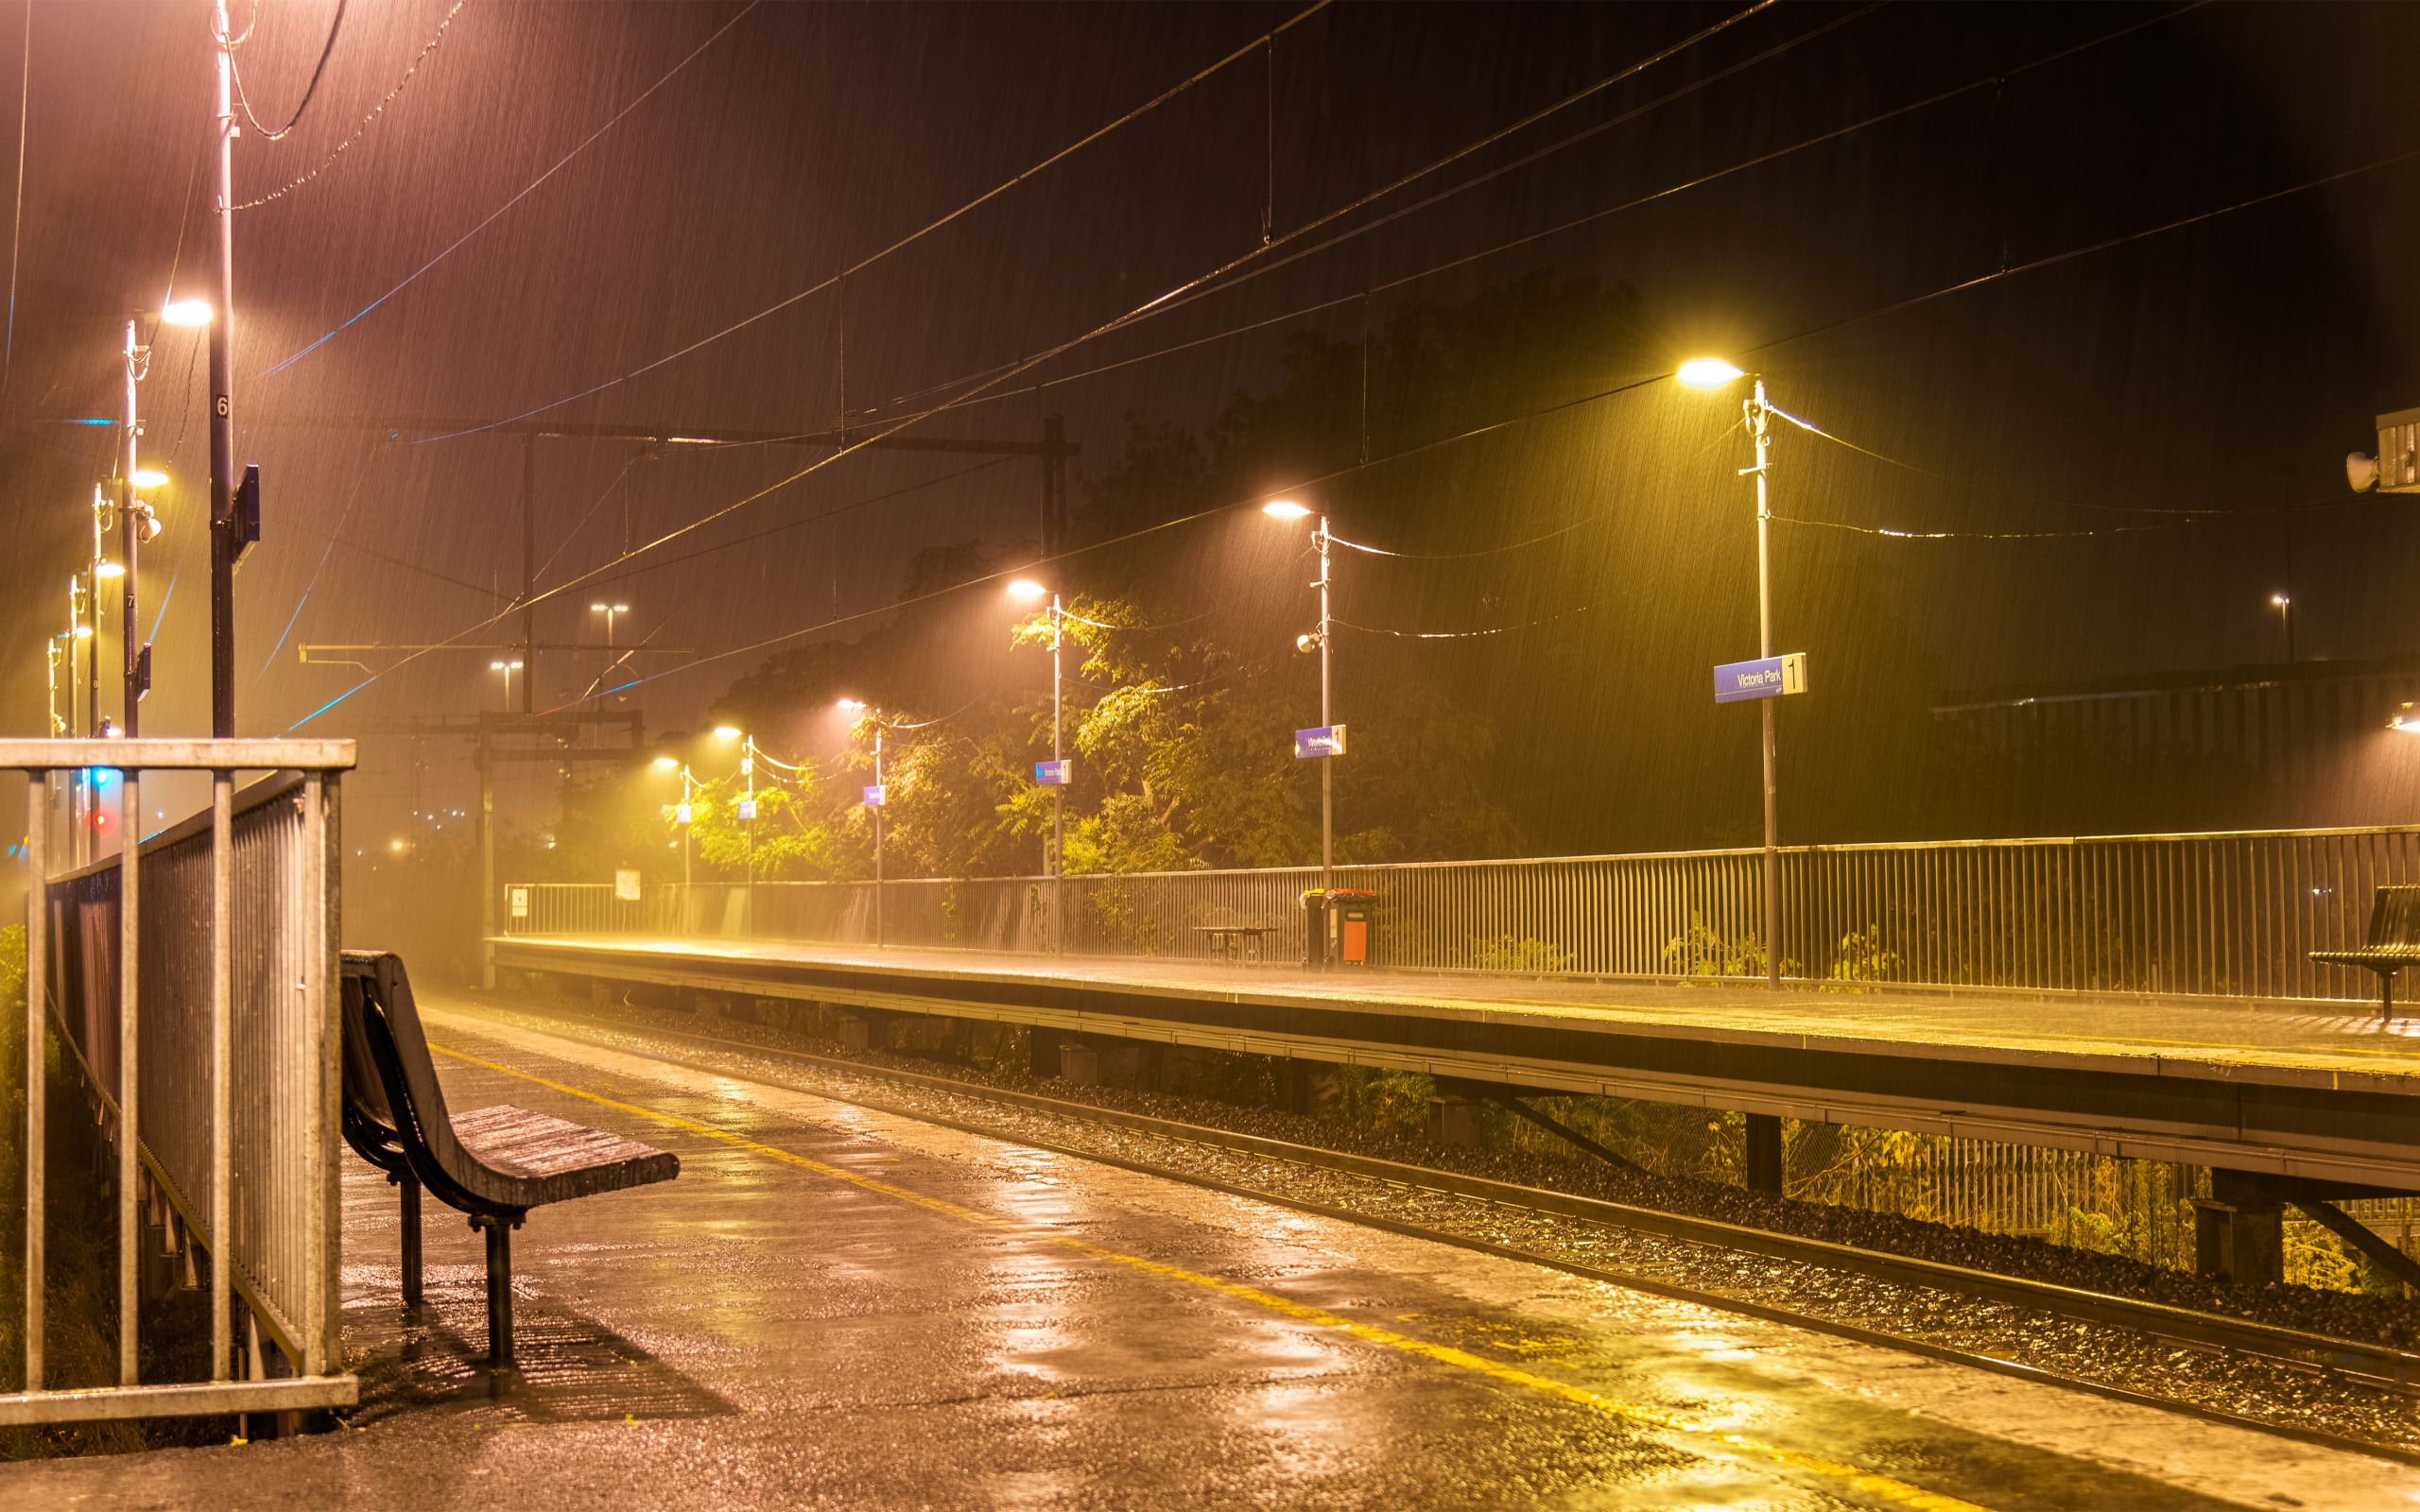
292,358
1515,243
17,220
366,121
921,232
236,70
1163,299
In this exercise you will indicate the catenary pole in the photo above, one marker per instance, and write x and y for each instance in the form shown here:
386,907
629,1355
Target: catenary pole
1758,418
222,413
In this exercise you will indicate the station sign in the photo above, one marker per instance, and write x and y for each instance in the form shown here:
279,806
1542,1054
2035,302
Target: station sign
1764,677
626,886
875,795
519,902
680,813
1327,740
747,808
1054,774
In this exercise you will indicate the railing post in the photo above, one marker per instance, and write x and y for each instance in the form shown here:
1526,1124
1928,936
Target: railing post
222,1059
130,1088
37,989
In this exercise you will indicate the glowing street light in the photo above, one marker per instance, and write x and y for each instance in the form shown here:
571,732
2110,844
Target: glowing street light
149,477
106,568
1029,591
1709,373
507,668
1289,509
186,312
611,612
881,797
2284,605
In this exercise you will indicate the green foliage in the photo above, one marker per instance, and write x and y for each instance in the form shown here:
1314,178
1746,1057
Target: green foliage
1701,951
1861,958
1505,952
1388,1100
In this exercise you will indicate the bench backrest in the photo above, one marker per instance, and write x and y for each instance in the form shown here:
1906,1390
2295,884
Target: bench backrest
390,1086
2395,916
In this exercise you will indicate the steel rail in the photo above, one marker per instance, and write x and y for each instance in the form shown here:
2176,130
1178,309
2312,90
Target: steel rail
2377,1366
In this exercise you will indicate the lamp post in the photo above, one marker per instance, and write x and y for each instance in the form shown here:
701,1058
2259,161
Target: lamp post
1289,509
507,668
1029,591
880,722
746,805
680,816
1710,372
2283,604
609,611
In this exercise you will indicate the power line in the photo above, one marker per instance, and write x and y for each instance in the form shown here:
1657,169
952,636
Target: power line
292,358
1572,224
308,89
366,121
17,221
835,281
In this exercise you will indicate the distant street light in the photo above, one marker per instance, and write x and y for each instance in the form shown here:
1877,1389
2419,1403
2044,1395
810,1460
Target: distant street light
1713,372
507,668
1289,509
1029,590
2285,607
611,612
186,312
881,723
107,569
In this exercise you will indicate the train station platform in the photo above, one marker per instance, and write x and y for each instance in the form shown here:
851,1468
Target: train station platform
2323,1092
837,1307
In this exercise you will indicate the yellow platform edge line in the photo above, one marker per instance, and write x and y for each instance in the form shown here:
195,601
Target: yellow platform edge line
1882,1487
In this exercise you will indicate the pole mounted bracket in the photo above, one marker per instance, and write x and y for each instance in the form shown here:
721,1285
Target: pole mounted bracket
244,518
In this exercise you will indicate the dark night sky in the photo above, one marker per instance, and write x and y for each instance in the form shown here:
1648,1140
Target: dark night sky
2225,365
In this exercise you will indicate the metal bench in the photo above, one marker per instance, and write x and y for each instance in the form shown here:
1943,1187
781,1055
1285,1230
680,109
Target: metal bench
494,1163
2394,942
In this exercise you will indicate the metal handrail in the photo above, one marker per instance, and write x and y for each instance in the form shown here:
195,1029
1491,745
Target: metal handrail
286,848
2230,914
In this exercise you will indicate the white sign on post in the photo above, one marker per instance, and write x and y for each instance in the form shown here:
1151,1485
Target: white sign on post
626,886
519,902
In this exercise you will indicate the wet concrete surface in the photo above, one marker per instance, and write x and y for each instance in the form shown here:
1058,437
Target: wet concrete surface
2341,1044
837,1308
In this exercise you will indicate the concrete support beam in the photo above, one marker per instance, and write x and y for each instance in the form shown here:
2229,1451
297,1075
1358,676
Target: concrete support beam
1763,1169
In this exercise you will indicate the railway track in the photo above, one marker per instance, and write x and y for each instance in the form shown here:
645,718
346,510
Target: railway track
2371,1369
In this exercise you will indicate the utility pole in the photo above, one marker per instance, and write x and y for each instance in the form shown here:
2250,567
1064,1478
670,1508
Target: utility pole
1057,793
1327,796
222,413
135,527
879,830
1758,425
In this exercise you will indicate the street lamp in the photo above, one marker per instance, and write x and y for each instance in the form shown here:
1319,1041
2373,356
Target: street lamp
507,668
1028,590
876,797
610,611
1713,372
1289,509
2284,605
681,816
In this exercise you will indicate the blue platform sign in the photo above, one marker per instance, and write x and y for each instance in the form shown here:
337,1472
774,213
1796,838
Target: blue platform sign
1766,678
875,795
1327,740
1054,774
747,808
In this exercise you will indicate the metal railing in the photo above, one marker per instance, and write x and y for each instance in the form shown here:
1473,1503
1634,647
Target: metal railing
2233,914
214,1062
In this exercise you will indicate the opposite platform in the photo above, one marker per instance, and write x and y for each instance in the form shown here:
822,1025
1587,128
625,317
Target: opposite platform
2322,1095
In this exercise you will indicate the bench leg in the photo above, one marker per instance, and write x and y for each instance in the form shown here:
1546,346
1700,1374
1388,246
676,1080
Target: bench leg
410,1238
499,1232
2386,997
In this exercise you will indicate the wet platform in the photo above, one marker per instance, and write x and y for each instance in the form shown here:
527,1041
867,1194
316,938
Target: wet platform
833,1307
2321,1091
